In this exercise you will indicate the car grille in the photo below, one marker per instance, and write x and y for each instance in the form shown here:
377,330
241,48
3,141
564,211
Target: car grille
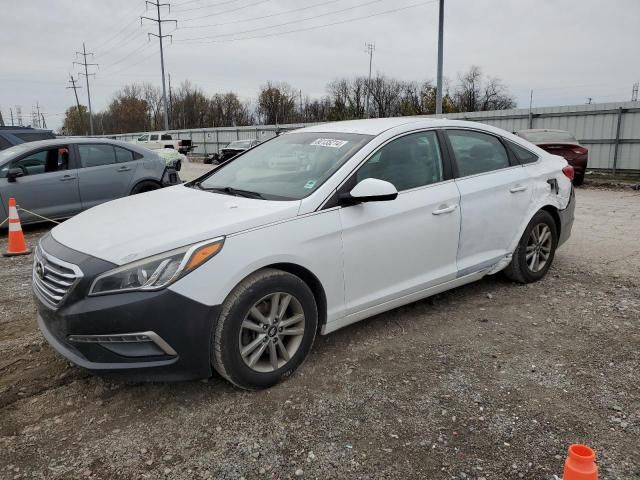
53,278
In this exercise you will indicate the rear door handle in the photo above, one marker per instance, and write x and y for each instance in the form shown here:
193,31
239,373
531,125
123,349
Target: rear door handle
518,188
445,209
124,169
66,178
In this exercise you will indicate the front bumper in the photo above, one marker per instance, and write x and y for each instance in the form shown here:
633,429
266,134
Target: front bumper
139,336
567,217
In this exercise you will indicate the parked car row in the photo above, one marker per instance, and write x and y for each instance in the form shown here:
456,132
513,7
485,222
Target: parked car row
157,141
59,178
307,233
233,149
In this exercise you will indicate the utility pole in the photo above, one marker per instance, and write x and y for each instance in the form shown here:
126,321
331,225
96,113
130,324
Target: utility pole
589,100
11,113
44,122
160,21
19,115
86,74
75,92
38,110
440,55
1,119
370,49
530,110
301,109
634,92
170,99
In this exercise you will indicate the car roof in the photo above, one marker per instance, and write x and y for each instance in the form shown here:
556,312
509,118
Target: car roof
376,126
536,130
76,140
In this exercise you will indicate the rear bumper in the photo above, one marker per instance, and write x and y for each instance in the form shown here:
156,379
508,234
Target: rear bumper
579,165
567,217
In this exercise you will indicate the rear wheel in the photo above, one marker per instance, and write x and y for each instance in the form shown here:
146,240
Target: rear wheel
265,330
146,186
535,251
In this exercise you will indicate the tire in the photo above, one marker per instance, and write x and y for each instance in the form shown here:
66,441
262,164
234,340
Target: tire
578,180
523,270
144,186
231,336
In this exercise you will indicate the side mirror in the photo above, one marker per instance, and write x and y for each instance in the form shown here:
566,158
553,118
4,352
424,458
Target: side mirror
371,190
14,173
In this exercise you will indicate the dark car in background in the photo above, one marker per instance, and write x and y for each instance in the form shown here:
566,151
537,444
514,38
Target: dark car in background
10,136
231,150
562,143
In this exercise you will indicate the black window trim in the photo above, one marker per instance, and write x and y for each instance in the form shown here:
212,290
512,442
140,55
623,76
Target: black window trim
349,182
513,161
508,143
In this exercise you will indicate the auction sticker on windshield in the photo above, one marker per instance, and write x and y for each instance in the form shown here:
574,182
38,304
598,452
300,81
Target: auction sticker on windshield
329,142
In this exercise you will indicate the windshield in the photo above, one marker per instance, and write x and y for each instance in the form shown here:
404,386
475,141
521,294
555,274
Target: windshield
289,167
548,136
240,144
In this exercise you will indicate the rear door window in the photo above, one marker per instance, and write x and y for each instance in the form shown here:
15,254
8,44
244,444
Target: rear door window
153,137
523,155
477,152
96,155
123,155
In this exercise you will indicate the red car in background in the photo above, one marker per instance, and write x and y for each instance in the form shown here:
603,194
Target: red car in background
560,142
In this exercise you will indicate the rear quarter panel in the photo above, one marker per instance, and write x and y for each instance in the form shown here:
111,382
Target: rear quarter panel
546,168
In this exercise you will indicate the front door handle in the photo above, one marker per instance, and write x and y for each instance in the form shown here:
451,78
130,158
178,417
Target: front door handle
518,188
124,169
66,178
445,209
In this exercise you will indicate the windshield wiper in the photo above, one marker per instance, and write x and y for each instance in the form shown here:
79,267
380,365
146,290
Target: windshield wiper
234,191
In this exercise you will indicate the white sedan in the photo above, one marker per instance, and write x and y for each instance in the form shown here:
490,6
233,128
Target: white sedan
304,234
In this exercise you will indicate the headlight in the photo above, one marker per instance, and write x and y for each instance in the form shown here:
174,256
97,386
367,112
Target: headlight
156,272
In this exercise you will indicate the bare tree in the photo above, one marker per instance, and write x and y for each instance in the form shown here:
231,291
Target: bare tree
473,93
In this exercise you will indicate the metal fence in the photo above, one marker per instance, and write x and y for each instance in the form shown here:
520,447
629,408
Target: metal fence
611,131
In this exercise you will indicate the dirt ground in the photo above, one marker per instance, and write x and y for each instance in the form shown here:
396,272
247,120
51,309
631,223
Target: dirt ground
488,381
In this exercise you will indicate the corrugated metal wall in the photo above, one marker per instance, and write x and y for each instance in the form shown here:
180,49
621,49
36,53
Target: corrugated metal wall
594,125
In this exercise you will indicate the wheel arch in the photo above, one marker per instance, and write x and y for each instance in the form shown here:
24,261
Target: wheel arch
144,180
307,277
556,217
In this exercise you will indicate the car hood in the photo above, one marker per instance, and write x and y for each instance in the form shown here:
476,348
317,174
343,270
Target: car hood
131,228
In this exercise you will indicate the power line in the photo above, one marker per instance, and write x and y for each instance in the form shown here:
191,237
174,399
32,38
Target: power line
313,17
159,20
244,20
223,12
140,48
86,75
205,6
315,27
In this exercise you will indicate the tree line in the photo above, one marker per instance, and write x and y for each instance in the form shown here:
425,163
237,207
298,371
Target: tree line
138,107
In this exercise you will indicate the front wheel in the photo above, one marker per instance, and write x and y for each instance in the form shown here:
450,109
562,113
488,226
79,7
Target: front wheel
535,251
265,330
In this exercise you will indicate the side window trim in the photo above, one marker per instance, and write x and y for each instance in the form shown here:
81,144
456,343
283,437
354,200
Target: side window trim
513,161
349,182
508,144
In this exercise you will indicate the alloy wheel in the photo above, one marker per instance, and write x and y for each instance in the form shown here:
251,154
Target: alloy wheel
538,247
272,332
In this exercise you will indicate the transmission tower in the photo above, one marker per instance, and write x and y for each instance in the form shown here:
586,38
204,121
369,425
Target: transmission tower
75,92
634,92
87,75
371,47
19,115
159,20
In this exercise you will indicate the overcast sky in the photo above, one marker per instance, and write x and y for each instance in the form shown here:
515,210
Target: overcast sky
565,50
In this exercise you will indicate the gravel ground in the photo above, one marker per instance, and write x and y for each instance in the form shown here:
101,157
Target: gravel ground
489,381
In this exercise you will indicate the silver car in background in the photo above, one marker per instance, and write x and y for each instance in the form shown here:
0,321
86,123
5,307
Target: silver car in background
61,177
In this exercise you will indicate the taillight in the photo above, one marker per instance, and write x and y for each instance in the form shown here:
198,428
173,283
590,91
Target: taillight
568,172
579,150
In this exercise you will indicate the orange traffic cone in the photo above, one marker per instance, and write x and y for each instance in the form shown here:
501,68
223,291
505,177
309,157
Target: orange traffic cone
580,464
16,244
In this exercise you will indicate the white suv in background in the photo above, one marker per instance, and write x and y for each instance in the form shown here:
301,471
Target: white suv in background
239,270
